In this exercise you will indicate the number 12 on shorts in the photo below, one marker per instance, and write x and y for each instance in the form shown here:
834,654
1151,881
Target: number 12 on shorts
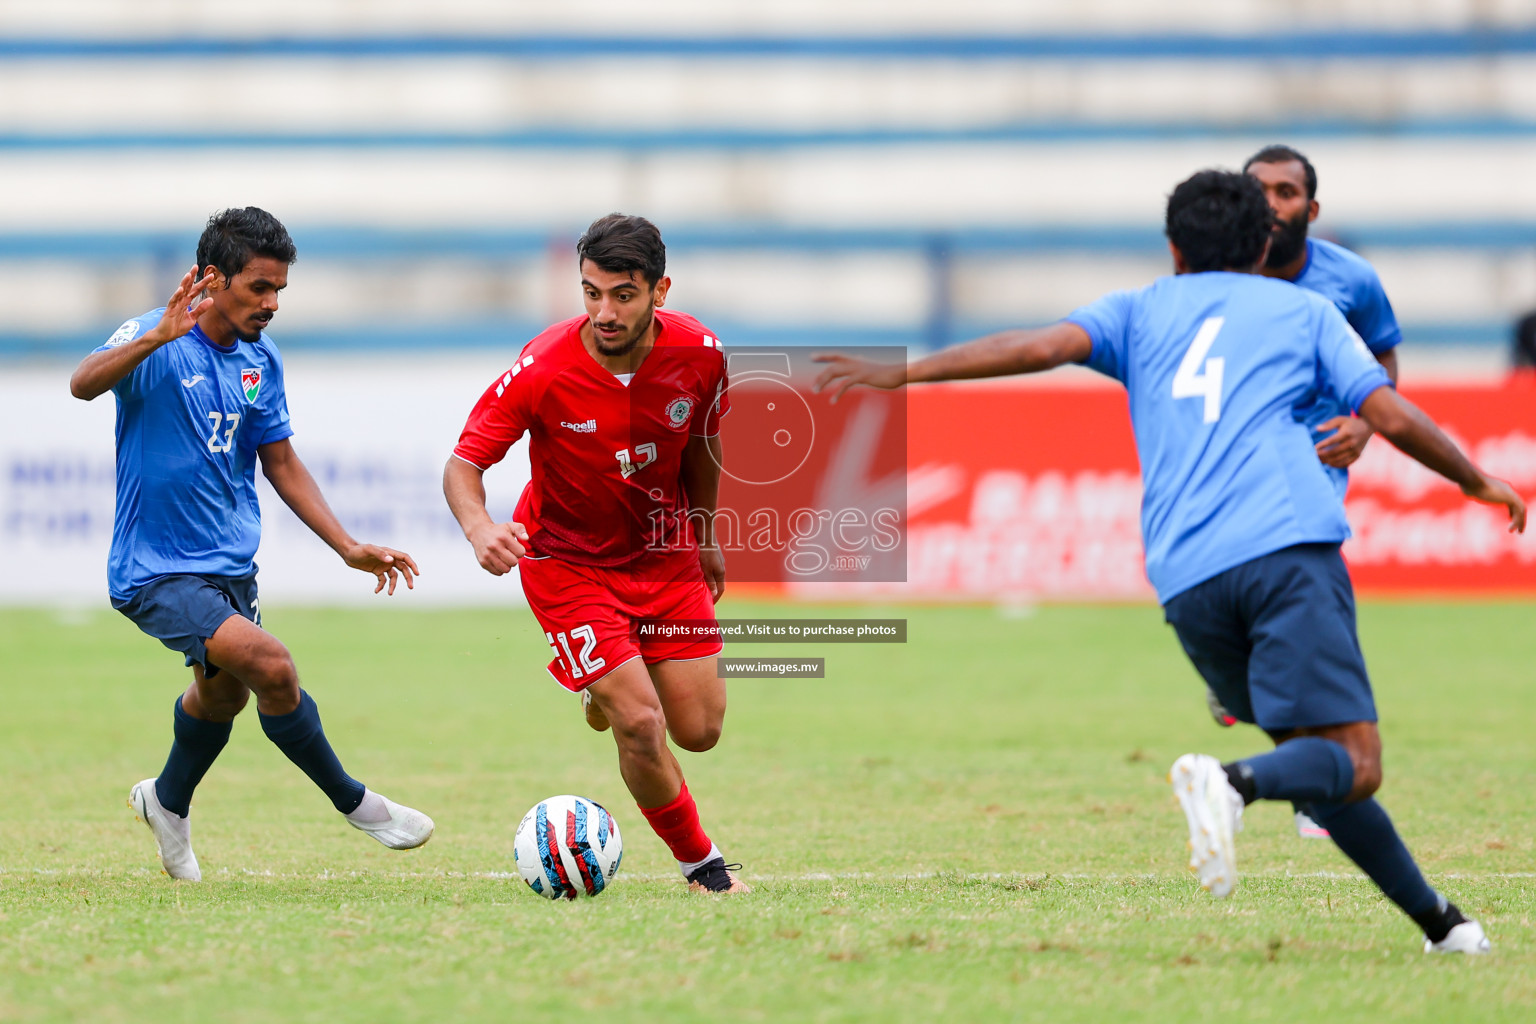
582,663
1194,380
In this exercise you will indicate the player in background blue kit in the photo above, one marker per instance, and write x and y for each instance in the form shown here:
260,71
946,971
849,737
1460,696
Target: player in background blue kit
200,399
1352,285
1240,522
1338,275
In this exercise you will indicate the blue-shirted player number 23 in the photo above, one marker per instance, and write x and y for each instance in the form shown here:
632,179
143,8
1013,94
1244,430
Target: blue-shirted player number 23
1199,377
230,424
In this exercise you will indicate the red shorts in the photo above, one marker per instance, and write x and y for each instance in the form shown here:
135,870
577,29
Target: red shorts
589,615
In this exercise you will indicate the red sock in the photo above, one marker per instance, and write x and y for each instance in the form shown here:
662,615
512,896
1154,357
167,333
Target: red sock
678,826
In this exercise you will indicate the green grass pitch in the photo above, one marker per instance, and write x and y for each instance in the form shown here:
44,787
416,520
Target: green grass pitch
974,825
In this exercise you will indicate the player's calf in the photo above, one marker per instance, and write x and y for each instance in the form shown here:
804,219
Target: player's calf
259,660
692,696
1365,834
217,698
629,700
695,737
1361,742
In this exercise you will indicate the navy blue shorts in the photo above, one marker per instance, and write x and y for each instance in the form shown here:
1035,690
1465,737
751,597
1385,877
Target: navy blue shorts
1275,639
182,612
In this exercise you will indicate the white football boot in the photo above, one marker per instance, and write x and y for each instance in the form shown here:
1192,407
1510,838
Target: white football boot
395,825
1466,937
1309,829
172,832
1215,814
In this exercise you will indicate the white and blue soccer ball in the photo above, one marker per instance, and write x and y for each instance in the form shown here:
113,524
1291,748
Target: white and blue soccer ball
567,846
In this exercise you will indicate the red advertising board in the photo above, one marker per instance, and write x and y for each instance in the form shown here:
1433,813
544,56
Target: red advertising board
1031,491
1414,532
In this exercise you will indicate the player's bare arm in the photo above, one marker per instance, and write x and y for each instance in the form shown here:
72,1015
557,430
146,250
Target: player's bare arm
1406,426
1349,434
99,371
292,481
498,546
997,355
701,482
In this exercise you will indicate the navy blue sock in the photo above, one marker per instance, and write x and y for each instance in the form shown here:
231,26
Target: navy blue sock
1305,770
299,735
197,743
1366,835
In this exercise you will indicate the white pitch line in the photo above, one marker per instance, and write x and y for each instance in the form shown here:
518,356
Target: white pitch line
811,876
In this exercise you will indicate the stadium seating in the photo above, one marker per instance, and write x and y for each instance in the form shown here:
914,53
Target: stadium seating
910,177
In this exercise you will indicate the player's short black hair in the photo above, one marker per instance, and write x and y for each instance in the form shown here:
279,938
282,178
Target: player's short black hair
234,236
1284,155
619,243
1219,220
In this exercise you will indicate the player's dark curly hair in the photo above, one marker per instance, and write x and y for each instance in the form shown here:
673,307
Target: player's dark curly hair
1220,220
234,237
1284,155
619,244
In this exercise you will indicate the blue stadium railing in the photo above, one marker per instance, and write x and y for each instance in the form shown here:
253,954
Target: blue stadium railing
733,138
1478,45
940,249
1326,44
362,244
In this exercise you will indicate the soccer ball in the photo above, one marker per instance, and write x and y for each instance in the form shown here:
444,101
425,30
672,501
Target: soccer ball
567,846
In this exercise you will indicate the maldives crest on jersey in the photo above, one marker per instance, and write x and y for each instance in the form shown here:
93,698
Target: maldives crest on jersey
678,411
250,382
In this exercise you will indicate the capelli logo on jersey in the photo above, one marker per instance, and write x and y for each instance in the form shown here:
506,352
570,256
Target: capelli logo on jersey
584,427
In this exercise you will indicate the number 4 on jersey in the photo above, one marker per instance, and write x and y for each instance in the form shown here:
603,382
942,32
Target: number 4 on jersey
1194,380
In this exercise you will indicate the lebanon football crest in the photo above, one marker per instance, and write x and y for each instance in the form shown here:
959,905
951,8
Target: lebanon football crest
678,411
250,382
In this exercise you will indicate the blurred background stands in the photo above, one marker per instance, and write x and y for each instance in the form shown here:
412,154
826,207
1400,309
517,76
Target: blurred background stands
894,172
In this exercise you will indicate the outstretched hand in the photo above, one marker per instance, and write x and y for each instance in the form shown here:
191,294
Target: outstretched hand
1348,439
385,563
843,373
1492,491
180,315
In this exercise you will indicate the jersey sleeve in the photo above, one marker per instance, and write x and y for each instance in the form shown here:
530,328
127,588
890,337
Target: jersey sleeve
1347,365
502,415
719,405
1107,322
1372,317
277,426
136,382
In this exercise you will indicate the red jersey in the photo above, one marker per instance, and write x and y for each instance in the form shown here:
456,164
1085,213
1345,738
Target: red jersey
607,458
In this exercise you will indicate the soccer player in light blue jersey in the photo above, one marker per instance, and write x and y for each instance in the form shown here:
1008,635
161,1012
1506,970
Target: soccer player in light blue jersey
200,399
1240,522
1352,285
1338,275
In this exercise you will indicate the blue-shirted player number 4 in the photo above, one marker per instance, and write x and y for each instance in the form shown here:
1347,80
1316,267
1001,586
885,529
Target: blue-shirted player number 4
1199,377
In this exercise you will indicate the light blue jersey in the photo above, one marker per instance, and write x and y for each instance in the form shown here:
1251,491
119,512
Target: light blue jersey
1216,366
189,420
1350,283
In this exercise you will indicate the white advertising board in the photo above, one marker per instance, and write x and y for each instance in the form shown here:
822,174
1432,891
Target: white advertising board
374,430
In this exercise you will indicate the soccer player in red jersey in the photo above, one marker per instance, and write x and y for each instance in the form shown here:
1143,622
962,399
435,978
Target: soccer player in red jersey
621,407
